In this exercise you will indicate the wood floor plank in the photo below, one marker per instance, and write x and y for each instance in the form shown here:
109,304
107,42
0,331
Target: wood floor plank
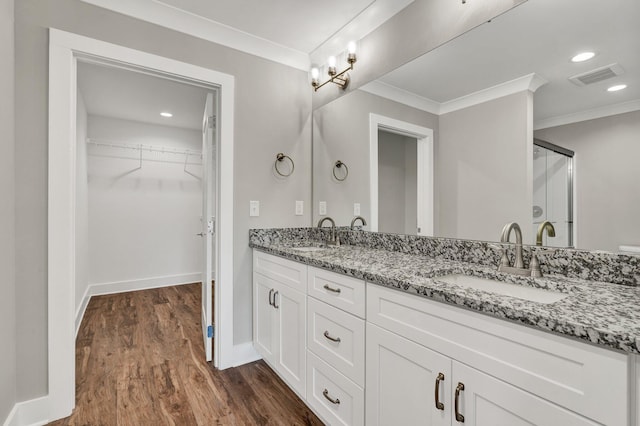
140,361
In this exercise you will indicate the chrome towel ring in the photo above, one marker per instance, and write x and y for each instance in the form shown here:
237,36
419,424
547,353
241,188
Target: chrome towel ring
339,164
280,157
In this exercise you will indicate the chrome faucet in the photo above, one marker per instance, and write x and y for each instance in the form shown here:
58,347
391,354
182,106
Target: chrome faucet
333,240
518,265
551,231
353,222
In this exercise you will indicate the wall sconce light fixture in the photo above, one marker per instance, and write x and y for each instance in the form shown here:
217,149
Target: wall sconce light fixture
341,78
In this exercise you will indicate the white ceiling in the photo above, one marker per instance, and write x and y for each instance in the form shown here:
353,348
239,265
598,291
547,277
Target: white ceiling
130,95
539,36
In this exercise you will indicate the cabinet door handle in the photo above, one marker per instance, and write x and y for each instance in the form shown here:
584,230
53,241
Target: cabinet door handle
270,295
334,290
440,378
459,388
333,339
274,300
325,393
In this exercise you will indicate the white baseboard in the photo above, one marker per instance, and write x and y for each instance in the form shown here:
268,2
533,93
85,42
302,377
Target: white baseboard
244,353
99,289
34,412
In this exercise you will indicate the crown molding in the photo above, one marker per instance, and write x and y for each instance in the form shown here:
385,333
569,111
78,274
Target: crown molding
590,114
530,82
393,93
159,13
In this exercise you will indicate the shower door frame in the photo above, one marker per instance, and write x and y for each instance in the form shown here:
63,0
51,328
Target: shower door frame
570,184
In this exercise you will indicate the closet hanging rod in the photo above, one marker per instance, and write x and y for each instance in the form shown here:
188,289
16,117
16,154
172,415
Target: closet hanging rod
141,147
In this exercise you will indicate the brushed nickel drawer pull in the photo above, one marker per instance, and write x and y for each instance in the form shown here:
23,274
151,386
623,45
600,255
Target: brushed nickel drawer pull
333,339
440,378
326,395
459,417
335,290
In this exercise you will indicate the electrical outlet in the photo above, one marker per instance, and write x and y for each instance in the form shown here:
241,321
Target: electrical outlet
254,208
299,208
322,208
356,209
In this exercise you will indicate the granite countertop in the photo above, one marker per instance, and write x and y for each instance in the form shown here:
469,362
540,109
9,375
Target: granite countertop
604,314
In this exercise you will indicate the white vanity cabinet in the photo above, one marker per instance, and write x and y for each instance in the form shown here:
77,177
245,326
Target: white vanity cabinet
506,375
279,316
336,347
360,353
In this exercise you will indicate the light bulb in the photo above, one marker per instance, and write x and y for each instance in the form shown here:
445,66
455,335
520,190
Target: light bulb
315,73
331,61
351,47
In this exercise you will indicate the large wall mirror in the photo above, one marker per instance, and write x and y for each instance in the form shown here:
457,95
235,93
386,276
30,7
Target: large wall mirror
444,145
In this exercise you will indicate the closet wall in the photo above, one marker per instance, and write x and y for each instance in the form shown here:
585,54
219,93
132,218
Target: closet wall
143,214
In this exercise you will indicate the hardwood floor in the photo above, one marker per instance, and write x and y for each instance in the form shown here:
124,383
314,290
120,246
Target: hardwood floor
140,361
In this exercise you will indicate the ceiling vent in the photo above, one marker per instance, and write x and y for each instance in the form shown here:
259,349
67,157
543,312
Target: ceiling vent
597,75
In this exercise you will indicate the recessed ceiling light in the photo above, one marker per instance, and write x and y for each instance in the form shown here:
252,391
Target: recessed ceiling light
584,56
617,87
166,114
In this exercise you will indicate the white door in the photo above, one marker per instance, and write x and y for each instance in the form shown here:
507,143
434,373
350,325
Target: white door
487,401
407,384
264,318
291,308
208,176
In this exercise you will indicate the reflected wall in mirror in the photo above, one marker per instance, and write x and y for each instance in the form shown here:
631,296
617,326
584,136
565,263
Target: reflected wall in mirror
486,95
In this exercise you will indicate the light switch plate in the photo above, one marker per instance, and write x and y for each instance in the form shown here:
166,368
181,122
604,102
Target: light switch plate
322,208
299,208
254,208
356,209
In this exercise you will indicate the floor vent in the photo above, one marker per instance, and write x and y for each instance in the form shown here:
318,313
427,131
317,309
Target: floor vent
597,75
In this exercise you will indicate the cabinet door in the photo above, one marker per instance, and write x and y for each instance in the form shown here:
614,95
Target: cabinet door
487,401
264,317
291,310
401,382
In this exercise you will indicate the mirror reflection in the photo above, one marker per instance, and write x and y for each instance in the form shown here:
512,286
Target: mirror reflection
477,104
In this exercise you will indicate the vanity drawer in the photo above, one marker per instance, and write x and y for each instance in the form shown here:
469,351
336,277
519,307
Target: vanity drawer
335,398
581,377
293,274
327,324
337,290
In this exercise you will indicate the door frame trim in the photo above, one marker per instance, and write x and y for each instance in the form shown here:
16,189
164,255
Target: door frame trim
424,137
64,49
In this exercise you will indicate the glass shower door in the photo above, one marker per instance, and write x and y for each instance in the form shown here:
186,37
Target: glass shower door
553,192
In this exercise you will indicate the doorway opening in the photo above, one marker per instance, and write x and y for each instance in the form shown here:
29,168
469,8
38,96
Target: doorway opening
391,145
145,147
65,51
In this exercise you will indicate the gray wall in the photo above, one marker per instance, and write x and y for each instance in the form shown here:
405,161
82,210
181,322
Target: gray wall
272,113
607,176
397,183
341,132
7,236
483,168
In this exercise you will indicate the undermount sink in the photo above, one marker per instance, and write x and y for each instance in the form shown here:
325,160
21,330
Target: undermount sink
503,288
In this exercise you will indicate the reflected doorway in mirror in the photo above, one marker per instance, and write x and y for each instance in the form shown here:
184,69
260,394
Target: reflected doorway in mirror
424,169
